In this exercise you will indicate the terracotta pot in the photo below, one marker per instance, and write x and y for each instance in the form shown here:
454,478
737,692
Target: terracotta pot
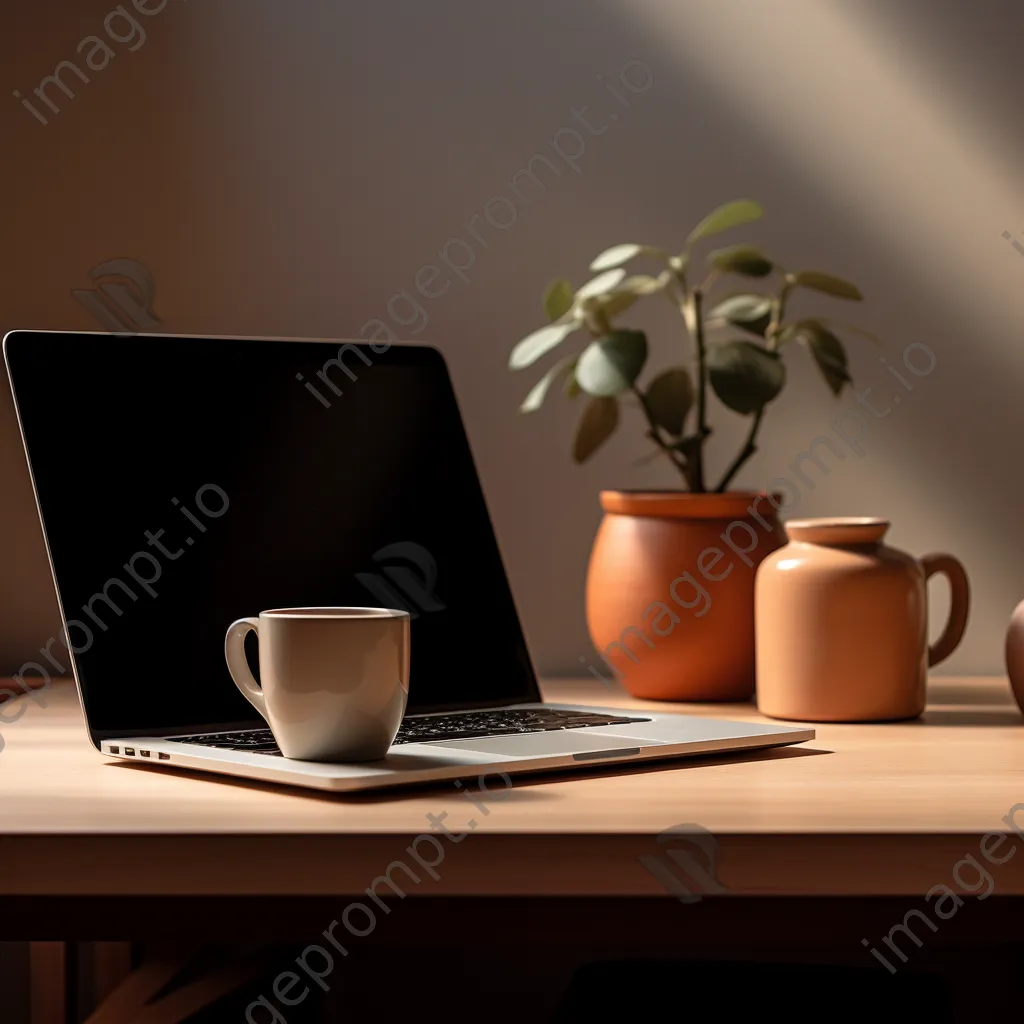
842,624
670,591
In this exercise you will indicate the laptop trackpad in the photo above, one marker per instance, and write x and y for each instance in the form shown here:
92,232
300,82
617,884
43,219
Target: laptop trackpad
537,744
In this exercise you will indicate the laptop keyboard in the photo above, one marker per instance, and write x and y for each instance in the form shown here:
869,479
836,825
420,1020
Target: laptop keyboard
427,728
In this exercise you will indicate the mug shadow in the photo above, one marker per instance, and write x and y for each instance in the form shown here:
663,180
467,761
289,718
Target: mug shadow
667,764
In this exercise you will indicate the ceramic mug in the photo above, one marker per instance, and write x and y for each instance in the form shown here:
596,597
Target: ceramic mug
334,680
841,624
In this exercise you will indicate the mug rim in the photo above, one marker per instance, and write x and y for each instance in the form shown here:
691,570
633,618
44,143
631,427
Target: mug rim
341,612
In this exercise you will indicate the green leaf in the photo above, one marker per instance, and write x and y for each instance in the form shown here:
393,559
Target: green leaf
625,293
598,423
535,399
605,282
852,328
751,312
558,297
619,254
741,259
669,399
644,284
616,302
828,353
729,215
571,387
610,365
745,376
538,344
826,283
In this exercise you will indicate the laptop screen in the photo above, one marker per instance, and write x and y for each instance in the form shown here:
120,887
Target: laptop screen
188,482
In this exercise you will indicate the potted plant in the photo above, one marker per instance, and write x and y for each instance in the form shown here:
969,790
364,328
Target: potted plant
670,586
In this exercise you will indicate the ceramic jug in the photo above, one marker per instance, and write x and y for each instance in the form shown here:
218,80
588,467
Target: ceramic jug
841,624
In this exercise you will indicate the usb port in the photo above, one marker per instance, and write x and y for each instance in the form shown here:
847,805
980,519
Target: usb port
144,753
115,750
130,751
163,756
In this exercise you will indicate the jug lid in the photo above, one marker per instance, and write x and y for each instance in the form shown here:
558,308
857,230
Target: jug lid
838,530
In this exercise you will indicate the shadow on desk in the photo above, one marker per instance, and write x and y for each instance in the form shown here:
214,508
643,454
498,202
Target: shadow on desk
525,785
952,716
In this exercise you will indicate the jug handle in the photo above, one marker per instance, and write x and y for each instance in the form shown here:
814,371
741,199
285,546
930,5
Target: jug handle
959,604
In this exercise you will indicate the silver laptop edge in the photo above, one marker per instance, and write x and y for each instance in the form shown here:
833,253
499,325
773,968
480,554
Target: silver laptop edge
663,736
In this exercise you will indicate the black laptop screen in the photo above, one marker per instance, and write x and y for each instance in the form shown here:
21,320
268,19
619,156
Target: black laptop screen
186,482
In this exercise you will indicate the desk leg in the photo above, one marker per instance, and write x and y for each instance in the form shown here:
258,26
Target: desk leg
112,963
48,982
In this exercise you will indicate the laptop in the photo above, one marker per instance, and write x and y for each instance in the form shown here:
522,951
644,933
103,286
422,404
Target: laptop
185,482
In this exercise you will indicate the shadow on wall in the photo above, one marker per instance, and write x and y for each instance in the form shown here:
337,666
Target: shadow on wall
259,221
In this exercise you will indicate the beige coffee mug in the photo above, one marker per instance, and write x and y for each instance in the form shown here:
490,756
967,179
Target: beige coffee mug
334,680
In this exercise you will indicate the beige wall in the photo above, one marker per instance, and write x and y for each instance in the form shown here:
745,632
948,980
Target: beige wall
286,168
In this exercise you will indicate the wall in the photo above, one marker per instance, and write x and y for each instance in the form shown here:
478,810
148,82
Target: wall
286,168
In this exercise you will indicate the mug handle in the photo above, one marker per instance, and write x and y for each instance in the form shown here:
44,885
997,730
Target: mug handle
959,604
234,655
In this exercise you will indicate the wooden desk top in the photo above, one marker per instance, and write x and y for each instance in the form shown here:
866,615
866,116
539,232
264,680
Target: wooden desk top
864,809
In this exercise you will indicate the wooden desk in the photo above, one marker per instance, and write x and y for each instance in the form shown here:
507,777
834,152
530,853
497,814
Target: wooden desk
91,848
862,810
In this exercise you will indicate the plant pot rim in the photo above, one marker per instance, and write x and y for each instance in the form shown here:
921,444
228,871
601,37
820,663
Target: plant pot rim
684,505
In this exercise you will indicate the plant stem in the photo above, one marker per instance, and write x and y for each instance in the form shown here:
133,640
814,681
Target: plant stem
654,434
771,338
602,325
748,449
778,311
697,463
709,281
